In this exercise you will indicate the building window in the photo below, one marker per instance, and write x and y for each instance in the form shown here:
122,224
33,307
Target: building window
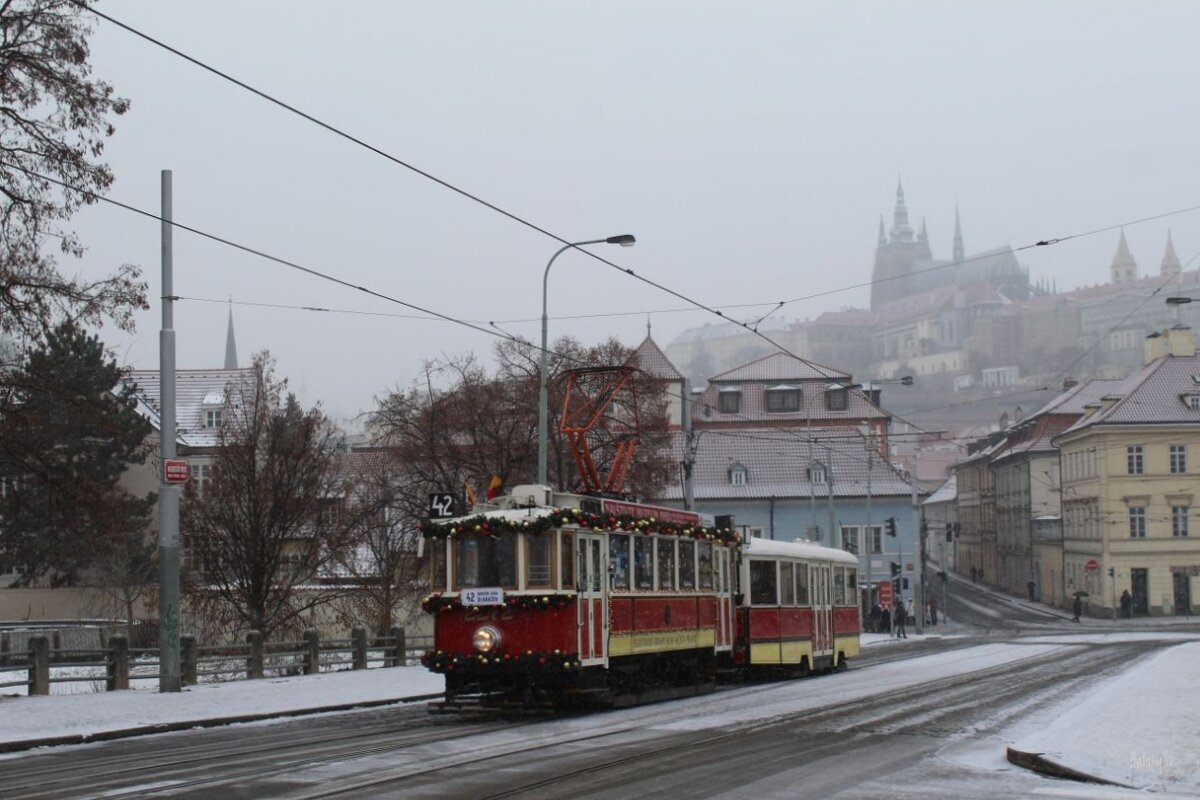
212,418
1178,459
737,475
836,399
850,539
201,475
817,474
782,399
1134,460
875,536
1137,522
729,402
1179,521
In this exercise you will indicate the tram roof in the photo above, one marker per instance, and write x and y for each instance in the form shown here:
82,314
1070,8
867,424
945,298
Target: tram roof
756,546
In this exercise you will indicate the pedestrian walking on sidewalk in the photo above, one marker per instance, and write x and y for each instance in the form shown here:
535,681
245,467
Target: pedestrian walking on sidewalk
1077,608
1126,604
900,620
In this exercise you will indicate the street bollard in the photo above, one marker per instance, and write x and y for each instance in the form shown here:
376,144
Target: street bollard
358,638
254,662
399,648
312,652
39,665
189,660
117,666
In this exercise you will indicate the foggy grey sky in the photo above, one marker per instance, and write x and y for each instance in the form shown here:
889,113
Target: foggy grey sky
750,147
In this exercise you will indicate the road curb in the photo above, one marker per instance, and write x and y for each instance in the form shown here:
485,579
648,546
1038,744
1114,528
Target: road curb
210,722
1037,762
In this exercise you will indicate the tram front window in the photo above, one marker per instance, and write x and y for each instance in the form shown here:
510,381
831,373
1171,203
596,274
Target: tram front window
485,561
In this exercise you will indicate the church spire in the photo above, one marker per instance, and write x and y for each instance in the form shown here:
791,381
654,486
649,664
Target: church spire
230,344
959,254
1124,268
901,230
882,235
1170,262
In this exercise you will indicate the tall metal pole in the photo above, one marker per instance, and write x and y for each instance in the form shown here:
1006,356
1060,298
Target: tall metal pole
689,447
829,482
625,240
168,494
919,549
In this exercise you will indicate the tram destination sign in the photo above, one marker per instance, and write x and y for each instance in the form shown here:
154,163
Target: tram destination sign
483,597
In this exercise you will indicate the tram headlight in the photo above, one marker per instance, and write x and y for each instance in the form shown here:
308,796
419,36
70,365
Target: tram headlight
486,639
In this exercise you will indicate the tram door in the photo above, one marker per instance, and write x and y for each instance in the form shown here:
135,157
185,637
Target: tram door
724,599
592,608
822,610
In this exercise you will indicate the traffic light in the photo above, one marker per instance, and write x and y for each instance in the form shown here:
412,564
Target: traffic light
895,569
1112,572
949,532
890,526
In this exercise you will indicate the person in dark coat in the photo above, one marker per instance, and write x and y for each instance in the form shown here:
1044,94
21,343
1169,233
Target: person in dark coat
876,618
899,620
1126,604
1077,608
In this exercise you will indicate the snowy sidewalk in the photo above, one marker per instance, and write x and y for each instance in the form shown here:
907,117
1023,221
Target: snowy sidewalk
62,718
1141,729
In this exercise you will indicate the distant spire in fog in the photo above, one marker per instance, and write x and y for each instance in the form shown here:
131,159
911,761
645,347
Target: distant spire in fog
1170,262
901,230
230,344
959,254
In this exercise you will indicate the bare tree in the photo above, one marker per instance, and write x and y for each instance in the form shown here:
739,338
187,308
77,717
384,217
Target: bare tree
271,519
54,119
459,424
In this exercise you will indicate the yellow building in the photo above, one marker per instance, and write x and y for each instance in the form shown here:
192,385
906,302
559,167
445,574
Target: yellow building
1130,474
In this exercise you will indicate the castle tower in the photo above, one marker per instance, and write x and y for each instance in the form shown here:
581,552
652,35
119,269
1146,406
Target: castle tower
1170,262
1124,268
901,230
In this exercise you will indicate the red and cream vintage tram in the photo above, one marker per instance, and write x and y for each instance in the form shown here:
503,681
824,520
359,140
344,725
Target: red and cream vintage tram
554,597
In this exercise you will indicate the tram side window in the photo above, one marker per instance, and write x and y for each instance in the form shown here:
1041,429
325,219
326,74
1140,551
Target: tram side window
437,565
567,560
704,553
618,560
787,587
643,562
539,552
687,564
839,585
802,597
851,587
762,583
666,564
485,561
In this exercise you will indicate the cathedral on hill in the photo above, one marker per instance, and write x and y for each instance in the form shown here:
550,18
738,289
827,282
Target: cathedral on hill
905,266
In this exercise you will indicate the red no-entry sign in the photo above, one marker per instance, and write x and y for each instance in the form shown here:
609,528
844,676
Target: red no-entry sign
1092,566
175,471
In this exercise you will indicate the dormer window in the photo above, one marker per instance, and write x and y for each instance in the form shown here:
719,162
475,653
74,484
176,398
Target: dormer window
782,398
1191,400
212,404
836,397
729,400
817,473
738,476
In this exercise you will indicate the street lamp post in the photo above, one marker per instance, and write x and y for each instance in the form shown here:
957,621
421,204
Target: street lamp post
625,240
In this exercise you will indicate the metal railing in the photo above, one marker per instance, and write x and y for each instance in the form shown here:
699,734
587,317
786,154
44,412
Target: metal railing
118,664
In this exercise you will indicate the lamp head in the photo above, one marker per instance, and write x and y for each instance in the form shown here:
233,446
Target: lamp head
625,240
